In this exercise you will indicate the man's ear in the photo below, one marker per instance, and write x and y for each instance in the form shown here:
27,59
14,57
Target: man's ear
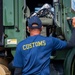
28,29
41,28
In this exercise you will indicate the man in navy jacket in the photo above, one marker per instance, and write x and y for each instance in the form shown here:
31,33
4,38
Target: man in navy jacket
33,54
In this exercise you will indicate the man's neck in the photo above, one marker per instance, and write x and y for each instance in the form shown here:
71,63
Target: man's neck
34,32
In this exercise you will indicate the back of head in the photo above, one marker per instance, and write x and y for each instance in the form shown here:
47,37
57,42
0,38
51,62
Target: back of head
34,22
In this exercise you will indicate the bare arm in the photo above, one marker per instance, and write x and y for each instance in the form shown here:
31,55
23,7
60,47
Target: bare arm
71,42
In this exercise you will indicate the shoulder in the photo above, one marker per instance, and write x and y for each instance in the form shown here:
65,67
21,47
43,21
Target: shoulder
26,40
21,43
47,39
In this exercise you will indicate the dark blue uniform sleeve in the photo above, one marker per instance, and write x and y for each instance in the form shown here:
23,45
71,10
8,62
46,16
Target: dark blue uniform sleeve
58,44
18,58
18,71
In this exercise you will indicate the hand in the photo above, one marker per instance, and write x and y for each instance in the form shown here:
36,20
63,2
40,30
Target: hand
73,22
